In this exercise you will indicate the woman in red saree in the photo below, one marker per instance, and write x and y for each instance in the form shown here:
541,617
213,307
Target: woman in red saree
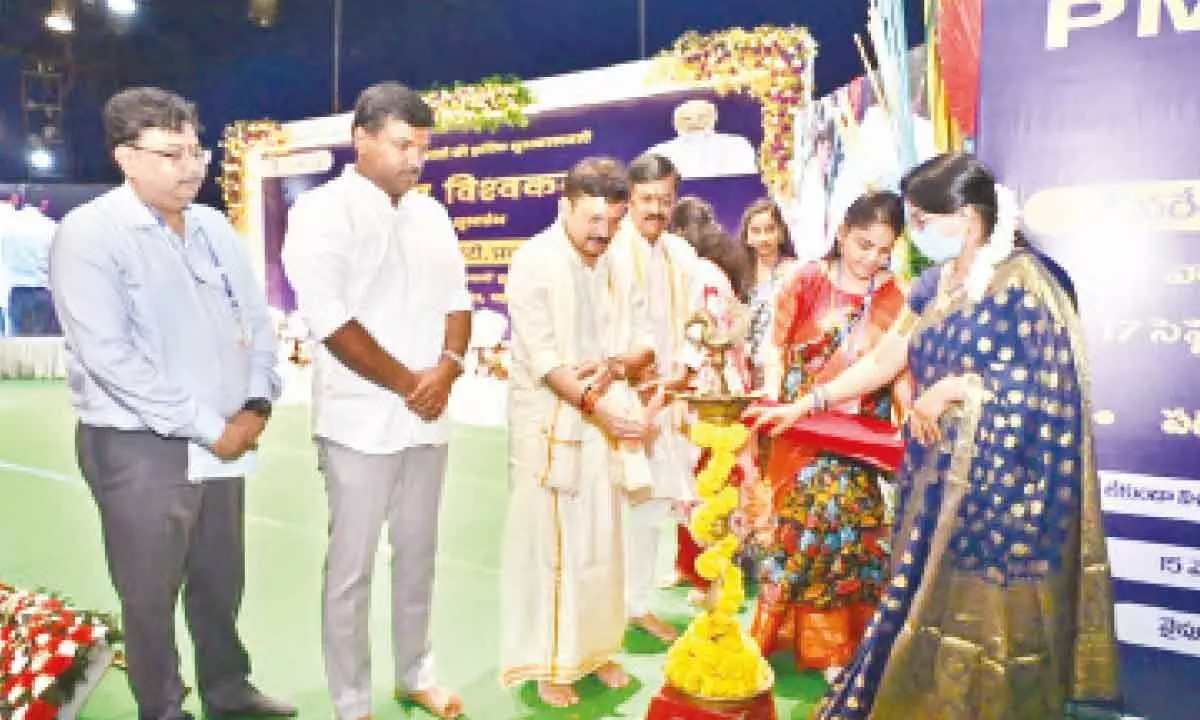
825,547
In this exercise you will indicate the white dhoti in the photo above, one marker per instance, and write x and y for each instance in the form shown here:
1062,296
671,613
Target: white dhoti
563,572
664,273
672,457
562,588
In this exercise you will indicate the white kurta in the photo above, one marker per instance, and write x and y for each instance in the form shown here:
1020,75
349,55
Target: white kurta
563,560
666,273
707,155
399,272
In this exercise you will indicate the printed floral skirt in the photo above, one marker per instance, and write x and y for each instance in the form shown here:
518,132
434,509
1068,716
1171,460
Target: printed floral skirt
823,571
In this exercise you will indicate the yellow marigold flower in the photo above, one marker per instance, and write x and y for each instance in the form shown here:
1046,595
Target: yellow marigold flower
703,434
710,564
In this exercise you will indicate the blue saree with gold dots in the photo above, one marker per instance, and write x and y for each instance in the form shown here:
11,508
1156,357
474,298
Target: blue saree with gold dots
1000,603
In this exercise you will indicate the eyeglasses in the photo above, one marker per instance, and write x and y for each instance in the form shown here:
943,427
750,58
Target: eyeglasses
177,156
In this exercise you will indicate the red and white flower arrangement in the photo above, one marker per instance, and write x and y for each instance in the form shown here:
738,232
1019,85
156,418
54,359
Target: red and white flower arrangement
45,649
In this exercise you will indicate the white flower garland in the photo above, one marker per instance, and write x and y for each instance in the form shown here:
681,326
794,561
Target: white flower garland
999,246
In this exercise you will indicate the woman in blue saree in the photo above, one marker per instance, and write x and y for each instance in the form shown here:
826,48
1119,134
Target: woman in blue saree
1000,604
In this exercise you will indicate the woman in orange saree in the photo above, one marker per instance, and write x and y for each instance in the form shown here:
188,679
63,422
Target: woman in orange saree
824,544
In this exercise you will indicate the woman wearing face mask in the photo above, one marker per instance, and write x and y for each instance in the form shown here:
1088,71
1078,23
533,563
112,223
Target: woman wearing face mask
1000,604
823,564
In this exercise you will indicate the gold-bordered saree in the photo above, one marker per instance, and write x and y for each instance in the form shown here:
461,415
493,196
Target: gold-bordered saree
1000,602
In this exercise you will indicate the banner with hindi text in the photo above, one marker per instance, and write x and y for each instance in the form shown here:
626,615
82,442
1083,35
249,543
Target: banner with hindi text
501,188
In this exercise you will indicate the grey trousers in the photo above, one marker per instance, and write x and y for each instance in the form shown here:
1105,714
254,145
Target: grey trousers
161,533
403,489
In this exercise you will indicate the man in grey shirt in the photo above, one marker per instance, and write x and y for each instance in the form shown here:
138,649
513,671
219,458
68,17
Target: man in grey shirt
172,372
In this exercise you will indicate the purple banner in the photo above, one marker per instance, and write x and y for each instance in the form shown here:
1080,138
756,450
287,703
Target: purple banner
1089,110
1095,126
500,188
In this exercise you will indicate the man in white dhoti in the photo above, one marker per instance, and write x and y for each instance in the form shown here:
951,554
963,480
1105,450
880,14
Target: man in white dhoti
662,266
699,151
563,559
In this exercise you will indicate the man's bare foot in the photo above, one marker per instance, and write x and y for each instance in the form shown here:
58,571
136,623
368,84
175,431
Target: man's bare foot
656,627
613,676
556,695
440,702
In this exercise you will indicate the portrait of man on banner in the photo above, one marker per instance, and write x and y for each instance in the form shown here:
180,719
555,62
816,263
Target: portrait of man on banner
698,150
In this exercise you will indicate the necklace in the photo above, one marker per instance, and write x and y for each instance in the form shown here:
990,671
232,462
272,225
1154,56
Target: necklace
835,287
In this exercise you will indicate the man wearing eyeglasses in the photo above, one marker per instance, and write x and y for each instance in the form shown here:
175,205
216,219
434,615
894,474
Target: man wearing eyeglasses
172,373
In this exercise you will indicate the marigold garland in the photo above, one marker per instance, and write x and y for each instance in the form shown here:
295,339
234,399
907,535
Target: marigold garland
714,658
769,63
486,106
240,138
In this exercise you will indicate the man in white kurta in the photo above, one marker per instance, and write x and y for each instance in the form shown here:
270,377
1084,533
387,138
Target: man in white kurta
382,286
563,561
662,266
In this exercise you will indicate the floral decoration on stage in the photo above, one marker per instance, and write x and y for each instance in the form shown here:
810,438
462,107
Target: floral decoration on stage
486,106
241,137
714,658
772,64
45,648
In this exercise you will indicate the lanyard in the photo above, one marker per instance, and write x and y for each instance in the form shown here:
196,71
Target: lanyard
227,285
216,261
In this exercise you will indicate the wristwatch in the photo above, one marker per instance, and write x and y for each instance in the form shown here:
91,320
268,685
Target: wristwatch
259,406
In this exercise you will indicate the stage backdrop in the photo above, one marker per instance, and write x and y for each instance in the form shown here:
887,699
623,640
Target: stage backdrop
1091,110
845,146
500,188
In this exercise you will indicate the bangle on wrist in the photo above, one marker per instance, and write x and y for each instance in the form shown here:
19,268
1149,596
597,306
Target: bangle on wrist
618,368
455,358
588,404
587,399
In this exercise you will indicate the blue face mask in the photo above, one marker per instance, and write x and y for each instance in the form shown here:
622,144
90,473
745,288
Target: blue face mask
935,244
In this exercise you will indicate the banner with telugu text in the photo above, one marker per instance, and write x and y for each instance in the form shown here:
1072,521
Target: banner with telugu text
1090,111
